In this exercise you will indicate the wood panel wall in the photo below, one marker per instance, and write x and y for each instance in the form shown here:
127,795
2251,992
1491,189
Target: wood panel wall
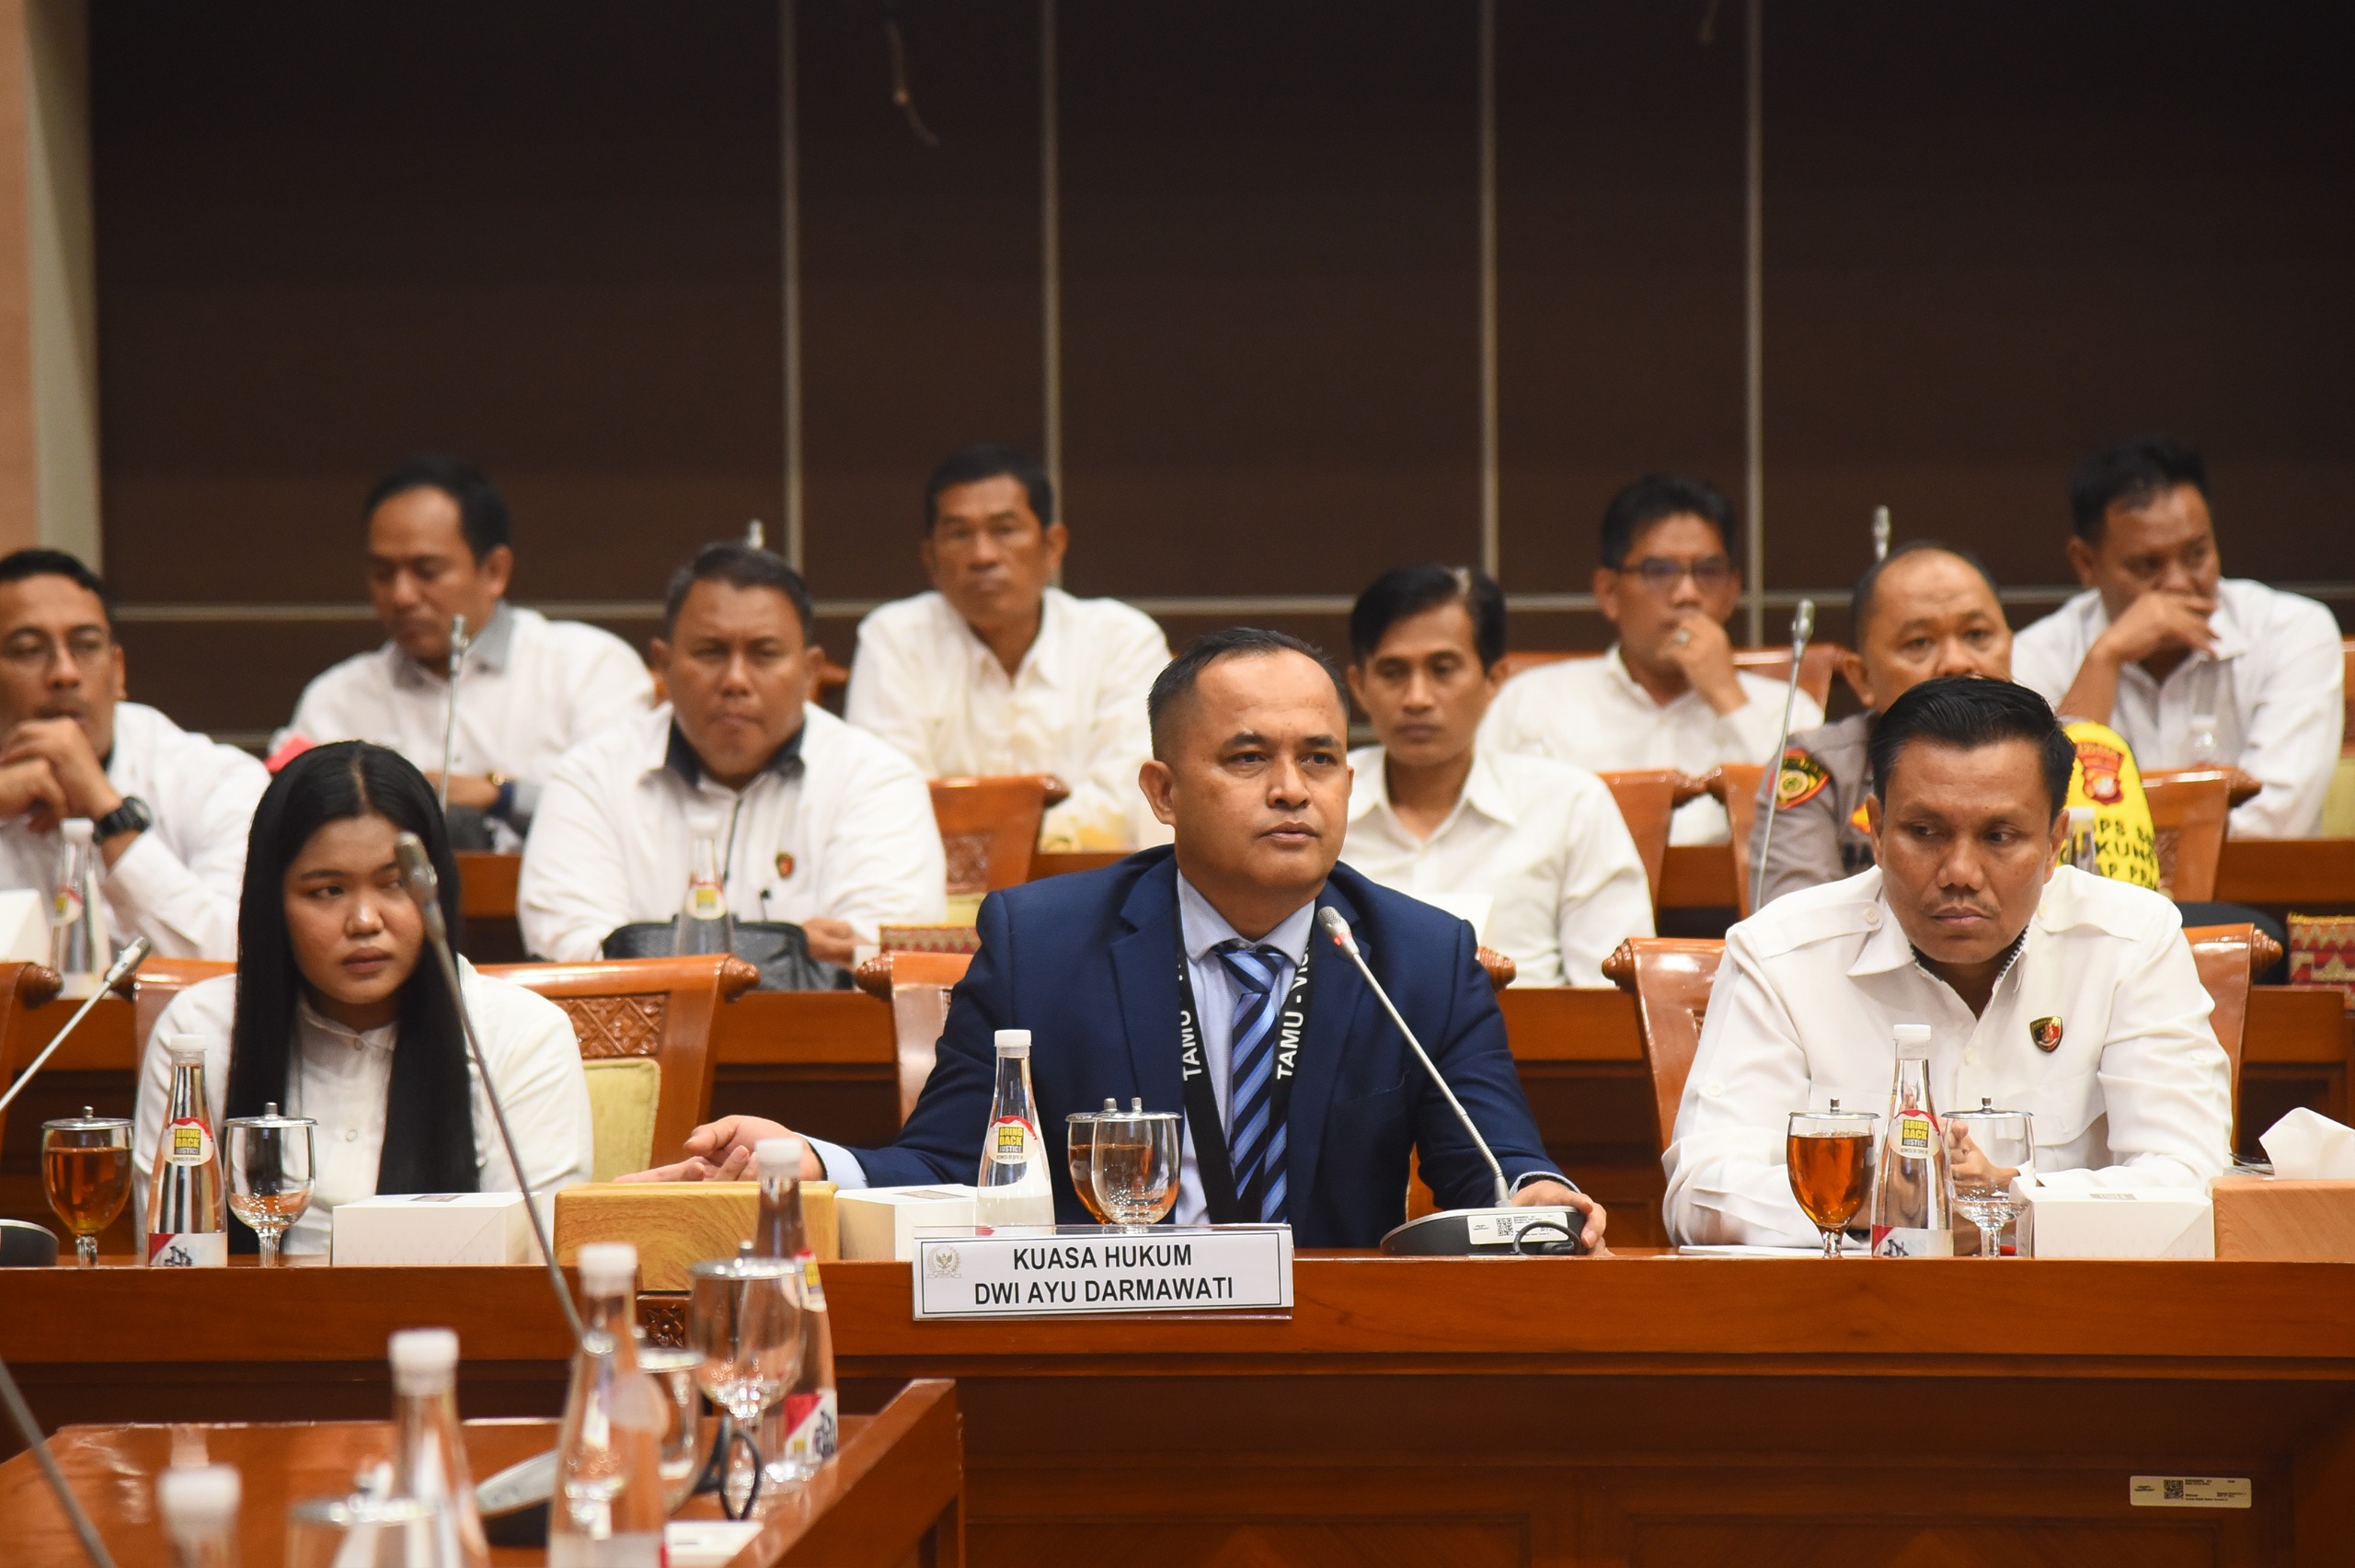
550,236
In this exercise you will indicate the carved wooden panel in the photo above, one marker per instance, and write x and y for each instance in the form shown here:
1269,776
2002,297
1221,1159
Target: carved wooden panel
617,1025
969,861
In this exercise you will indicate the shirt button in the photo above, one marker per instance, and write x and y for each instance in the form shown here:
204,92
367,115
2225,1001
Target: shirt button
351,1135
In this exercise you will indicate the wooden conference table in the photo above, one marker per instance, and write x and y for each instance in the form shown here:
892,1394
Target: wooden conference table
1653,1410
897,1492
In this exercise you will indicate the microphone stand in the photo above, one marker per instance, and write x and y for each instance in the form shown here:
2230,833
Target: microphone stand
1802,628
21,1415
459,643
424,886
129,960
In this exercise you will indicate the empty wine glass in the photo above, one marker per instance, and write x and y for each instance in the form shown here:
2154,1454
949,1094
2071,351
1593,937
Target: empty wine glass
86,1169
270,1172
1830,1154
744,1317
1986,1148
1133,1167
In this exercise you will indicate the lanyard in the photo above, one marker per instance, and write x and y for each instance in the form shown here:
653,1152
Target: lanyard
1211,1157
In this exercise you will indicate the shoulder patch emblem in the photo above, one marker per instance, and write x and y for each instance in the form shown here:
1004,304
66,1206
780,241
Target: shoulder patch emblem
2099,765
1802,778
2045,1033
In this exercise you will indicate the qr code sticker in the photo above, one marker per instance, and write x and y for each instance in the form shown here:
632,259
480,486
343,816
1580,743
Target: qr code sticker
2171,1489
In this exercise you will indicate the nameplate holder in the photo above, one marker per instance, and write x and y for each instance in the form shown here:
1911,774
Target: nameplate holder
1041,1271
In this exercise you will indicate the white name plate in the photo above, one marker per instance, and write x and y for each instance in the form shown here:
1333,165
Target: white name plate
1040,1272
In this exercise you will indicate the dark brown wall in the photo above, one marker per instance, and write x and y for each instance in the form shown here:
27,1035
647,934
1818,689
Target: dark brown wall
548,236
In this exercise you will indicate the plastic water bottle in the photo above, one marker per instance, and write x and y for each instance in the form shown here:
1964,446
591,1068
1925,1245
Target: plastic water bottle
187,1227
1013,1187
609,1509
197,1505
79,949
1911,1219
429,1451
703,925
799,1433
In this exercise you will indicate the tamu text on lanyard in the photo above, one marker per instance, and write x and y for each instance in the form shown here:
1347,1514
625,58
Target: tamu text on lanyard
1225,1205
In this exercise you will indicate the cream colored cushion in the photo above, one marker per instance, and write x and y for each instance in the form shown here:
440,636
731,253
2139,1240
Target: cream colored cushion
623,1093
2338,804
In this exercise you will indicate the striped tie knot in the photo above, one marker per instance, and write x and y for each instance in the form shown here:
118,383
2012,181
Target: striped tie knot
1255,1138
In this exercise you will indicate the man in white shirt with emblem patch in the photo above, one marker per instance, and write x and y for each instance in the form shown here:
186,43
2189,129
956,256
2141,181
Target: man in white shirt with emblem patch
2069,996
439,546
170,809
2190,667
997,671
1667,694
1532,850
817,823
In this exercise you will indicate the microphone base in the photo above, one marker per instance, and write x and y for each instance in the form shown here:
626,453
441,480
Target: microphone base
1488,1233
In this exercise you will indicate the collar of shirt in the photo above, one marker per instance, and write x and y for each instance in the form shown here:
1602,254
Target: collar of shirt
1484,791
1204,928
1889,948
486,653
312,1021
679,756
1039,662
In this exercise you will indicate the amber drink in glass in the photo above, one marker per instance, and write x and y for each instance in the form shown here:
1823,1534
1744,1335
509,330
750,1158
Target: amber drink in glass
1830,1158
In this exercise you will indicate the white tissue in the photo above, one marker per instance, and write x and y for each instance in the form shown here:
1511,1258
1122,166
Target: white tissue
2308,1146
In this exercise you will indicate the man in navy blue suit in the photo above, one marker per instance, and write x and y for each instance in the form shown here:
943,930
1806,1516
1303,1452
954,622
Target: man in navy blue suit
1250,771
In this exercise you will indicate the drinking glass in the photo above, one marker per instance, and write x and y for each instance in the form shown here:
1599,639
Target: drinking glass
360,1532
1079,1129
1829,1153
744,1319
86,1168
675,1369
1985,1150
270,1172
1133,1167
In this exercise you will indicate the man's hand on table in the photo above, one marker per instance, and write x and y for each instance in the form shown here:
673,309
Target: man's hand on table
722,1152
1554,1195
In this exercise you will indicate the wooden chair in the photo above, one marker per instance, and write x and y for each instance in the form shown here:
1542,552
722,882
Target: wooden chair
1669,978
2188,812
1647,798
917,986
826,678
630,1014
989,828
23,988
1816,667
1735,785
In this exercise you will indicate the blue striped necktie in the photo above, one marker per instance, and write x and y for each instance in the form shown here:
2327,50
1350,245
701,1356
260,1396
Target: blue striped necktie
1255,1139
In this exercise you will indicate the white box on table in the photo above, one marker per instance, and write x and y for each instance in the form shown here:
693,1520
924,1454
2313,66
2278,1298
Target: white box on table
881,1222
435,1227
2148,1222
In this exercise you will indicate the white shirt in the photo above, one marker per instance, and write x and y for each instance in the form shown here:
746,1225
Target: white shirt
2137,1092
1543,840
2274,685
178,882
339,1077
530,690
838,827
1592,712
1075,708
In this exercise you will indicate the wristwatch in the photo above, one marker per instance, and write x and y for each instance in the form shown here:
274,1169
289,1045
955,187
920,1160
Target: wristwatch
131,817
506,788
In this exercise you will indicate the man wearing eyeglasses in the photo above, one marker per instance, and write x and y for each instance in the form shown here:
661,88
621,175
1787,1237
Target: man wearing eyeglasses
1667,693
171,809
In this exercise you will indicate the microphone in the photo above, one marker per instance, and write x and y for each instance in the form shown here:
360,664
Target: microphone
129,960
1802,628
459,643
1458,1230
423,884
21,1415
1881,534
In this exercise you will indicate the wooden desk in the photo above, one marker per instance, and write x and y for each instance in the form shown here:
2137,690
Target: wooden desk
897,1489
1654,1410
2309,875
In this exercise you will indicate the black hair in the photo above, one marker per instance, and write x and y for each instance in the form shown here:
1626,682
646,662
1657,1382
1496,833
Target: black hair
1860,602
989,460
1176,683
482,510
1655,496
1409,590
428,1109
1968,711
2132,474
37,562
739,565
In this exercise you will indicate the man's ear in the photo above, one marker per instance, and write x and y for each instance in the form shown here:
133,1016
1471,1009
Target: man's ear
498,570
1852,669
1159,784
930,558
1057,539
813,663
1606,593
1356,677
1873,823
2083,561
2059,837
122,674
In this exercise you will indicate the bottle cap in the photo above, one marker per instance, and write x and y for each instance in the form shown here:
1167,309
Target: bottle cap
780,1155
703,825
424,1360
186,1045
77,830
1014,1042
197,1500
1912,1034
607,1267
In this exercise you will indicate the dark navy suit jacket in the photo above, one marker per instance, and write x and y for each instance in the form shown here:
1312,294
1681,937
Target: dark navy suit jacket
1088,964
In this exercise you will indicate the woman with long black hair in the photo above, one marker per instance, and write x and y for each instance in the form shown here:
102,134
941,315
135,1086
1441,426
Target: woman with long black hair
339,1013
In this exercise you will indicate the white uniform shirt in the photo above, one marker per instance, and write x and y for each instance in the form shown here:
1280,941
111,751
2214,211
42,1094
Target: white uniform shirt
923,681
1592,712
178,882
339,1077
1812,987
2274,685
1543,839
531,690
839,827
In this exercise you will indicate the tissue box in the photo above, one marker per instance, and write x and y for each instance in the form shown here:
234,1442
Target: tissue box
881,1222
2171,1222
435,1227
2276,1220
